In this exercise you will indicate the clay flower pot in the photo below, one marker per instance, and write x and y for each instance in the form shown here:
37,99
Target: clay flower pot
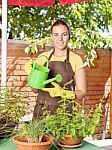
22,144
70,142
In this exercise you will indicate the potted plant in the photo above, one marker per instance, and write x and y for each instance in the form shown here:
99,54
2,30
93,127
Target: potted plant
13,106
33,136
69,128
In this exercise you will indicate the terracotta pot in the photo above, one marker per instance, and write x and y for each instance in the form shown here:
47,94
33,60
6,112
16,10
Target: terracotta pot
70,141
23,145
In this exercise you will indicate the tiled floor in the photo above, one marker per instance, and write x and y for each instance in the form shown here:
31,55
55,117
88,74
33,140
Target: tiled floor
108,147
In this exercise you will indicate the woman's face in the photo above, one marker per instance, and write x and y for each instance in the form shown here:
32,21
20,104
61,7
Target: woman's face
60,37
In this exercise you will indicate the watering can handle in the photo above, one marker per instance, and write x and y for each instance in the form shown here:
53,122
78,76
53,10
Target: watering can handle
38,58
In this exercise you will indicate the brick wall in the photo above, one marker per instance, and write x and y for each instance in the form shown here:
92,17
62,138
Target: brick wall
98,76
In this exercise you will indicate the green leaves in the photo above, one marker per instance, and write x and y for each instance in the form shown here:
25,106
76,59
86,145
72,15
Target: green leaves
13,105
75,123
35,44
33,130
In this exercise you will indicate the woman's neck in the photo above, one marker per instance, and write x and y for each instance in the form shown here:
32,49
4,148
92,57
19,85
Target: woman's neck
59,53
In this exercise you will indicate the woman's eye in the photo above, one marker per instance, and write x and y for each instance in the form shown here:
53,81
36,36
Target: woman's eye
65,34
55,34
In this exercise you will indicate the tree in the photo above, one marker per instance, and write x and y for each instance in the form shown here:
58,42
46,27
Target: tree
86,19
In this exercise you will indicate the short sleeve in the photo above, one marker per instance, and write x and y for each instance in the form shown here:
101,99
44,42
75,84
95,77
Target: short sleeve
79,63
76,62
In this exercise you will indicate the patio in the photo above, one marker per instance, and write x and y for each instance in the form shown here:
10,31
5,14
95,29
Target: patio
99,83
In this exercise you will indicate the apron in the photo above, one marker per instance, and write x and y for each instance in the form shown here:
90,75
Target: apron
44,99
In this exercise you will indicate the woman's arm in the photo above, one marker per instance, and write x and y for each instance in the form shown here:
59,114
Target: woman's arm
80,83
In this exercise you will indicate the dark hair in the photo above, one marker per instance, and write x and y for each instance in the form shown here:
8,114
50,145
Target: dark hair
60,22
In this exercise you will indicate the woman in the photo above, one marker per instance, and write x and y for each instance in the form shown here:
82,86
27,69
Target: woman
65,62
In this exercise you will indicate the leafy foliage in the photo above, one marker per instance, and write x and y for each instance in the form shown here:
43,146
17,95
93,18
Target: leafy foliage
62,122
35,21
34,131
13,105
73,123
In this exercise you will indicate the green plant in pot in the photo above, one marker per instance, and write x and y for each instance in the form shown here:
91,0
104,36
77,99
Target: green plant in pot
33,136
13,106
69,128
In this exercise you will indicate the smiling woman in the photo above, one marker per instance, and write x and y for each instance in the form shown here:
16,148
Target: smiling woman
61,61
60,36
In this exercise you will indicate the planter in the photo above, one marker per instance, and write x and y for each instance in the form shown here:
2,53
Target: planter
22,144
69,142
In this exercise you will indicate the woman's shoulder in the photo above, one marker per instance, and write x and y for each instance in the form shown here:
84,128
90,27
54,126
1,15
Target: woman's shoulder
74,55
76,61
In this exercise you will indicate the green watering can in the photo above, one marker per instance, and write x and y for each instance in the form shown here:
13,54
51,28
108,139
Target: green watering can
39,74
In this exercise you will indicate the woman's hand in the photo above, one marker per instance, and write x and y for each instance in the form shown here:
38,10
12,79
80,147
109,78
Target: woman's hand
59,91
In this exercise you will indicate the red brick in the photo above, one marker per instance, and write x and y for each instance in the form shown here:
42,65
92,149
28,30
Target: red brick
24,78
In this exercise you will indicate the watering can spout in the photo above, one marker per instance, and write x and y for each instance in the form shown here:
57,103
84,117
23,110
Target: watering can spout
57,78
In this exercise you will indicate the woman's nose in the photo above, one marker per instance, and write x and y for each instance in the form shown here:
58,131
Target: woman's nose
60,37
